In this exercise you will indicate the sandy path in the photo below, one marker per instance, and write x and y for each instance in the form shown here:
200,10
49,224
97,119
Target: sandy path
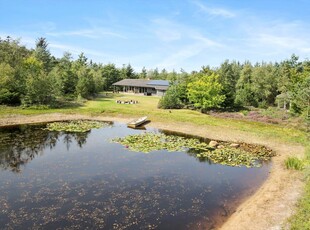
268,208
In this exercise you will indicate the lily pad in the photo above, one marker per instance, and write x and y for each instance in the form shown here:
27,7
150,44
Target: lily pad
80,126
243,156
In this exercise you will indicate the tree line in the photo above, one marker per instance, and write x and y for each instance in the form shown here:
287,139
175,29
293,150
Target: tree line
234,85
35,77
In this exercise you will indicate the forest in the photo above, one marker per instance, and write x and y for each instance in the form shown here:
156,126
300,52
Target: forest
30,77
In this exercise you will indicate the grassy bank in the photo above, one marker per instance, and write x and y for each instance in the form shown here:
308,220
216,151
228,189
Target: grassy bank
105,105
301,219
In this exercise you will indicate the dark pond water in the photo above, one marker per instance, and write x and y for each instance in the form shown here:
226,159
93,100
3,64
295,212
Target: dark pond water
51,180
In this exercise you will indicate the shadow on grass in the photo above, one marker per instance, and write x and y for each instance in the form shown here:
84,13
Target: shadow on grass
69,105
60,104
106,96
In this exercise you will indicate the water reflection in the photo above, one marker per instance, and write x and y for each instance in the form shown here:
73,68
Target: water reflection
79,138
21,144
193,153
83,181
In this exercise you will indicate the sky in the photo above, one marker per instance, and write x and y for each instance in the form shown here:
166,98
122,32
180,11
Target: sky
170,34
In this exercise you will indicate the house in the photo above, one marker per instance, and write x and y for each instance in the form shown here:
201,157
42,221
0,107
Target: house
142,86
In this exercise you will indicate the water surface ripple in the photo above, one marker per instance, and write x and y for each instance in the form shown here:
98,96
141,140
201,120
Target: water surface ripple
51,180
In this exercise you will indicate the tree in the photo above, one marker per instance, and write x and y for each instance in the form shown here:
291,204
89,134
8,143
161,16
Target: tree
143,74
97,77
85,86
130,72
290,71
229,74
302,96
12,52
64,76
172,76
127,72
293,75
12,55
205,93
263,85
301,93
244,93
8,94
110,75
153,74
171,99
180,81
43,54
206,70
163,75
39,87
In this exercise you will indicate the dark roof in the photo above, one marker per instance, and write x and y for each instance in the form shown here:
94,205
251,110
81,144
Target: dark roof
157,84
133,82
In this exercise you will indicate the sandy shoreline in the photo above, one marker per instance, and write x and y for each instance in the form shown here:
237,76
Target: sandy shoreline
271,204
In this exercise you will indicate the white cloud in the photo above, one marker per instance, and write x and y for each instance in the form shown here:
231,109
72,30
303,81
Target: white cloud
206,41
88,33
199,46
24,40
56,47
215,11
178,57
178,43
280,37
280,41
75,50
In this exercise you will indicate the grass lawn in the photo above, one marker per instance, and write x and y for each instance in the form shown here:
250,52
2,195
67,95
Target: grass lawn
106,105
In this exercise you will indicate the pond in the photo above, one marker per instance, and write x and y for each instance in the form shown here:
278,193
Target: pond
51,180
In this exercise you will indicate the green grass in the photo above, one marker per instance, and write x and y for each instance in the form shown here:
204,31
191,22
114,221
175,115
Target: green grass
105,105
275,113
294,163
301,219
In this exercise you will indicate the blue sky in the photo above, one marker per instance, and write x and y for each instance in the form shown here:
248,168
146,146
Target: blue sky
170,34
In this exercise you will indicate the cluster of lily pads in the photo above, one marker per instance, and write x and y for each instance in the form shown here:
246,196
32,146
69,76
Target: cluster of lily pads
227,155
80,126
232,157
148,142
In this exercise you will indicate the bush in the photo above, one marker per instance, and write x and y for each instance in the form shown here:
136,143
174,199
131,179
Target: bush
263,105
171,99
9,98
39,91
294,163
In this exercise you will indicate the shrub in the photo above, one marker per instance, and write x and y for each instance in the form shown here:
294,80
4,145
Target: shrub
39,90
171,99
9,98
294,163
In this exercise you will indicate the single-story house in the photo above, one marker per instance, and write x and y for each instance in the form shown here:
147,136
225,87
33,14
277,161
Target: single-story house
141,86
